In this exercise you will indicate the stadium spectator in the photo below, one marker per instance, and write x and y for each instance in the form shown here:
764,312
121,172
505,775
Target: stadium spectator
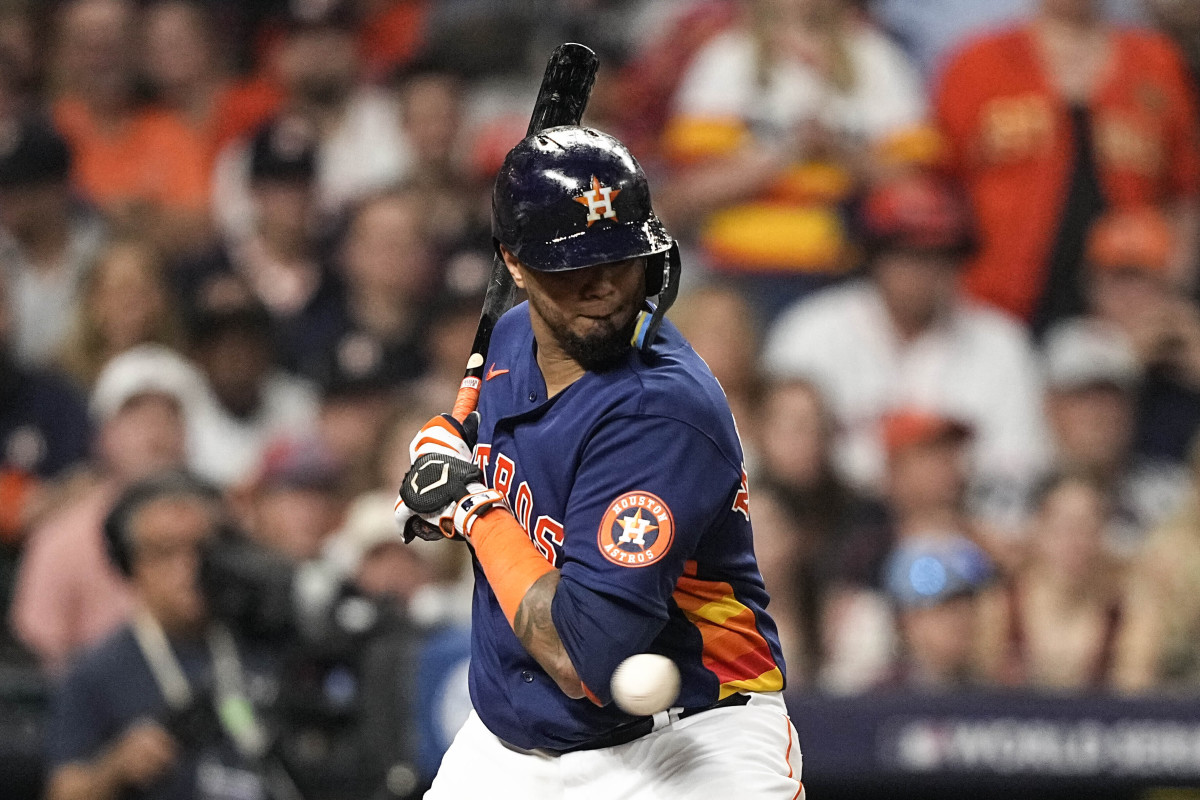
1050,123
775,122
1127,258
68,595
1092,379
361,148
453,322
47,241
902,335
927,479
432,108
663,38
373,554
391,273
14,99
285,257
142,166
21,63
44,432
1056,624
414,689
392,33
147,710
425,581
723,328
390,460
449,600
928,471
356,403
249,401
935,585
295,500
932,29
185,61
1159,646
125,300
1181,21
803,513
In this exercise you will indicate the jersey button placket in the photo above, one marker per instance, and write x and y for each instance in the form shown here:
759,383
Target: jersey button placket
533,397
527,676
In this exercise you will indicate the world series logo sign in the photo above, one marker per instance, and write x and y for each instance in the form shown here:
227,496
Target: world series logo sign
637,530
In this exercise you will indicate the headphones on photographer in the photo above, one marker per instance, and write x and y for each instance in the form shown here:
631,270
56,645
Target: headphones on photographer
175,483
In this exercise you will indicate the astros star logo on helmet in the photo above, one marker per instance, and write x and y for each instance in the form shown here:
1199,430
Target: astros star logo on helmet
597,198
637,529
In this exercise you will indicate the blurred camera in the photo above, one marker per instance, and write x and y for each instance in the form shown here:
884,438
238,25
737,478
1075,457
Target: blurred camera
266,597
327,638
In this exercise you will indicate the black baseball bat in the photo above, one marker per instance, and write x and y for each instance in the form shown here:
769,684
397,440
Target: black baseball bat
563,95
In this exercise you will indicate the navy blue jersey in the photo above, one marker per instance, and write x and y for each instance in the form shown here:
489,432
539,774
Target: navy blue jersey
630,482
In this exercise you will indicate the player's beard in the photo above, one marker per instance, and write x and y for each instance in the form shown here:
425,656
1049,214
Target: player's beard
602,348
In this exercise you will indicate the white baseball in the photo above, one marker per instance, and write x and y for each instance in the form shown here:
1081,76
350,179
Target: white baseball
645,684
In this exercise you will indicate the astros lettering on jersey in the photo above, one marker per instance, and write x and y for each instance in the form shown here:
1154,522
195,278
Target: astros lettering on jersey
641,501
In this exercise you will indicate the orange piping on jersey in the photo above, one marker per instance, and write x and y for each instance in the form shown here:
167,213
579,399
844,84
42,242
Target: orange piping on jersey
734,650
590,695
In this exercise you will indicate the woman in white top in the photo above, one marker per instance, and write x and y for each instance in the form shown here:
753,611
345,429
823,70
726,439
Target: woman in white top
776,122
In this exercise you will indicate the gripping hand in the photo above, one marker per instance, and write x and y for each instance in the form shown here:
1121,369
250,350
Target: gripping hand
446,436
443,492
441,497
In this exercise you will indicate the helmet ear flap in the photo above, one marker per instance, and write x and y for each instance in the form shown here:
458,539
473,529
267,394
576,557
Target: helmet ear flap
662,275
655,273
669,289
662,279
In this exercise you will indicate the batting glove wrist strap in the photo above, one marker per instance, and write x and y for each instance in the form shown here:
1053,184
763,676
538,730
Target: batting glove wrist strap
470,508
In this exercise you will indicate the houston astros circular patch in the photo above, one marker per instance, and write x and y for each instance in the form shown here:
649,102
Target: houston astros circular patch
637,530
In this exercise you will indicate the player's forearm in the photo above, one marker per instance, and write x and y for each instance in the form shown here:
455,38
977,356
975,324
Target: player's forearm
524,584
534,626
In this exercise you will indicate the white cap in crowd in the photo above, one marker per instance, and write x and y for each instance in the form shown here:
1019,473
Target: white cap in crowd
1083,353
144,369
371,522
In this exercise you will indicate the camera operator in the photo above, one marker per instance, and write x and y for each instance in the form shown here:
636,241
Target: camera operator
164,707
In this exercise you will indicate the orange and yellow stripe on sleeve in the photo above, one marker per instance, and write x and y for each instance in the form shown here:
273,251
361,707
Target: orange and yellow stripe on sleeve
734,650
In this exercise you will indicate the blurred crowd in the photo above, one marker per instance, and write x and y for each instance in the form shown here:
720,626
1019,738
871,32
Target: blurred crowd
942,257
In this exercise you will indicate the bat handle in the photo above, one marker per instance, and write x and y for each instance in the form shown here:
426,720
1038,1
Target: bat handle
467,399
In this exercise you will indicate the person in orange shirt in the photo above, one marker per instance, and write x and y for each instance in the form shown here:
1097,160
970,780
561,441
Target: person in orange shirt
392,33
1049,124
182,64
140,165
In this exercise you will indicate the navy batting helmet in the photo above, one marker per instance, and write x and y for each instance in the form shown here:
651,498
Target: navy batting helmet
573,197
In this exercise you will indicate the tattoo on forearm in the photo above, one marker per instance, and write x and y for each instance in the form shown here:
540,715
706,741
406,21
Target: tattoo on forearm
534,626
533,623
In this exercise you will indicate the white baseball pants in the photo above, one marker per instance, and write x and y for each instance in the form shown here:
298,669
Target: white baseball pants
745,752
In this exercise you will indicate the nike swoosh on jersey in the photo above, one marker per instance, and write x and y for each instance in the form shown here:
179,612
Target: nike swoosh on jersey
493,372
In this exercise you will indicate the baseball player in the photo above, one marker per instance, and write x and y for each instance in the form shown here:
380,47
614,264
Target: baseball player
601,489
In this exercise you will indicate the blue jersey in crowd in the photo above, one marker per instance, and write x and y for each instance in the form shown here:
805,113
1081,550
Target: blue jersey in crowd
631,482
